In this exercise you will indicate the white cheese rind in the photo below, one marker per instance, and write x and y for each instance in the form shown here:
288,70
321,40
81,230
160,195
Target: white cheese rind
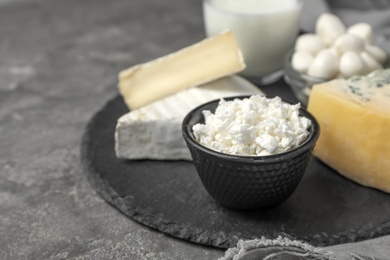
154,131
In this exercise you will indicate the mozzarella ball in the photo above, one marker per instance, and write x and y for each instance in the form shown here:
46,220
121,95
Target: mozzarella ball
329,27
363,30
335,51
349,42
371,63
301,61
351,63
324,65
310,43
377,53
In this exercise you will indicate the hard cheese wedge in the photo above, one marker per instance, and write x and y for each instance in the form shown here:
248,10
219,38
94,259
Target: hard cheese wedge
200,63
354,116
154,131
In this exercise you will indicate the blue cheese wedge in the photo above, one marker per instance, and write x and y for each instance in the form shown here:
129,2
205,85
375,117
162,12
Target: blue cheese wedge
354,116
154,131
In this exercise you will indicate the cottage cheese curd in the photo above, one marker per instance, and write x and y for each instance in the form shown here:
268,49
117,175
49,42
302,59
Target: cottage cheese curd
254,126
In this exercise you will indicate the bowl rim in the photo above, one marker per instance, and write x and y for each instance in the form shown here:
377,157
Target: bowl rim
308,144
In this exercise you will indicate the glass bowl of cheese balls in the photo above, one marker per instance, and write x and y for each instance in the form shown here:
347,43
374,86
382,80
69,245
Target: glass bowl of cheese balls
250,151
333,51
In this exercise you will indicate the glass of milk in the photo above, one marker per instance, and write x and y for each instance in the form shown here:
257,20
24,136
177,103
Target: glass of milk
265,31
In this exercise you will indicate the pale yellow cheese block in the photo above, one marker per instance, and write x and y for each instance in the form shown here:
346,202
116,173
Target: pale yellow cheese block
354,117
200,63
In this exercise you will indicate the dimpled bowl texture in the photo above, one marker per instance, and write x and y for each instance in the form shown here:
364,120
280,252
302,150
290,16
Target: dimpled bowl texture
248,182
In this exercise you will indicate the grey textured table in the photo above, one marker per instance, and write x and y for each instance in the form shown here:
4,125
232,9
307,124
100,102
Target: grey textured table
58,66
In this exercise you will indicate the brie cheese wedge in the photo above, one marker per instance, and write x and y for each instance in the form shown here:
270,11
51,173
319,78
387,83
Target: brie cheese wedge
205,61
154,131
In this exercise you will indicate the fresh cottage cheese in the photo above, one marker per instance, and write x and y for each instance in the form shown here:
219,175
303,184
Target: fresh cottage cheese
254,126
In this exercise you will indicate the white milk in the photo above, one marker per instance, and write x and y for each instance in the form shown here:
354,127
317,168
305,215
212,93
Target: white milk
265,29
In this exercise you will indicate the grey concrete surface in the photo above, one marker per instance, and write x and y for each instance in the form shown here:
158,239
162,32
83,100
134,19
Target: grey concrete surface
59,61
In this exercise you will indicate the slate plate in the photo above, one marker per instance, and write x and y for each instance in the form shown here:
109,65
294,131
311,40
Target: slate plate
326,209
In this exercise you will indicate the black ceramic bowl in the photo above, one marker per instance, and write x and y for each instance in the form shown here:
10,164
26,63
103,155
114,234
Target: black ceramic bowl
247,182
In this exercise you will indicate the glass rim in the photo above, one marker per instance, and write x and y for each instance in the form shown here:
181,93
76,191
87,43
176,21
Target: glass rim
298,5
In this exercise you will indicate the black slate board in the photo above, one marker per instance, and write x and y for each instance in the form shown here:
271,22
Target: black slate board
326,209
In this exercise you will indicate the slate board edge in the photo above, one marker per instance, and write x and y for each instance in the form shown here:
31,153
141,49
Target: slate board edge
222,240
